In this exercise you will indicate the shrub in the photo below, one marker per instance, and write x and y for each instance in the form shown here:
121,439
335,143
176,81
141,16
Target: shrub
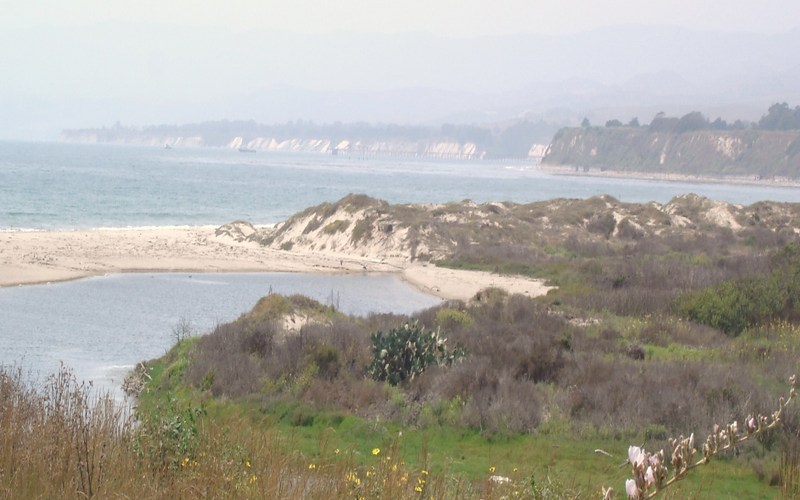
336,226
362,230
327,359
734,305
405,352
448,318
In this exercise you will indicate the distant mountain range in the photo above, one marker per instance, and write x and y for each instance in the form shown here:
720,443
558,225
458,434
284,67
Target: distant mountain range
192,74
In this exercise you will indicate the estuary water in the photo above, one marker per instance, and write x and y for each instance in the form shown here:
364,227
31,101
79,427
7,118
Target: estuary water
102,326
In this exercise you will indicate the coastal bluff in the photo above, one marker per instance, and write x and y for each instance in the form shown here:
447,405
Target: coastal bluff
757,154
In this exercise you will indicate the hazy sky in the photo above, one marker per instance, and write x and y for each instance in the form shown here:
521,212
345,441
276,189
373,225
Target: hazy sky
86,63
443,17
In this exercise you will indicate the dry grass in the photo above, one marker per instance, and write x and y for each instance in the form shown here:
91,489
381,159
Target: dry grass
59,442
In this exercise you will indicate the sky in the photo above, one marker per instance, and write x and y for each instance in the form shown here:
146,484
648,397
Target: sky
90,63
453,18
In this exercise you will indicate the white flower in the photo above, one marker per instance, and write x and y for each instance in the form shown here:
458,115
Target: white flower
631,489
636,456
656,459
751,425
649,477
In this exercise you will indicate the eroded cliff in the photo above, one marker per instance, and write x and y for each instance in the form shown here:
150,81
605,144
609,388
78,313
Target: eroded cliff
757,153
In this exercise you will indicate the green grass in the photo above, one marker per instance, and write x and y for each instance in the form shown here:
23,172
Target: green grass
560,457
676,352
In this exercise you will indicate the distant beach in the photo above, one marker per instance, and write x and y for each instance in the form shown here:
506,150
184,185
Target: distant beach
746,180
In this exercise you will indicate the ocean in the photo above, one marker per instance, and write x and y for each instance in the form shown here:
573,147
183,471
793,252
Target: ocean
102,326
70,186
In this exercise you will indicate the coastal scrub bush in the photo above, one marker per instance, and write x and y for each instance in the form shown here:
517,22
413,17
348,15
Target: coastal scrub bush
726,307
362,230
336,226
734,305
448,317
406,352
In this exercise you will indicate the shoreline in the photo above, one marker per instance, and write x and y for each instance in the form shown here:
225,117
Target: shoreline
40,257
572,171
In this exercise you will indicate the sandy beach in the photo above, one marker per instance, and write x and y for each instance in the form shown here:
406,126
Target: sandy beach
29,257
749,180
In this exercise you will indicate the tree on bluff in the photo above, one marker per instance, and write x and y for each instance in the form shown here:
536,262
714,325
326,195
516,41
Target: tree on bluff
780,117
691,121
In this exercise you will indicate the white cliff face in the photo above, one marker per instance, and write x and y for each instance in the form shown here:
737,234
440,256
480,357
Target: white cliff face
538,151
159,141
400,148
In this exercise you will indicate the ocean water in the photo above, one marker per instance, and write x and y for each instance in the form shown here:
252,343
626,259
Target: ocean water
102,326
64,186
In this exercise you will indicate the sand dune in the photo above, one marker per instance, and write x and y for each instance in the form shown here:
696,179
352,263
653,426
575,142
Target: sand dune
46,256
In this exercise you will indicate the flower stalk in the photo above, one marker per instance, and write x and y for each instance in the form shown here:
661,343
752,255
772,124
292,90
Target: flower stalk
650,470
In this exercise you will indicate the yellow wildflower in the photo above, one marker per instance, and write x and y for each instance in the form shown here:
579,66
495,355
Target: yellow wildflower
312,466
376,451
491,469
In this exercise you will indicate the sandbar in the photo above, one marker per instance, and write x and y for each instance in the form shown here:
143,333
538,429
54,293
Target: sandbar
31,257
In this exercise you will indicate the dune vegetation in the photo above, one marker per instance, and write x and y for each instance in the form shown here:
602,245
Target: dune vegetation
663,323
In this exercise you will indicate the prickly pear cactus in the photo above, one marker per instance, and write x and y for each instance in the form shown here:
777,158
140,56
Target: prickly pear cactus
405,352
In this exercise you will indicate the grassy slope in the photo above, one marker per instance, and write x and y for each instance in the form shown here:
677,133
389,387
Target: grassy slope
329,438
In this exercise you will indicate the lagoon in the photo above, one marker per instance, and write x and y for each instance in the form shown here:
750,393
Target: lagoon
102,326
